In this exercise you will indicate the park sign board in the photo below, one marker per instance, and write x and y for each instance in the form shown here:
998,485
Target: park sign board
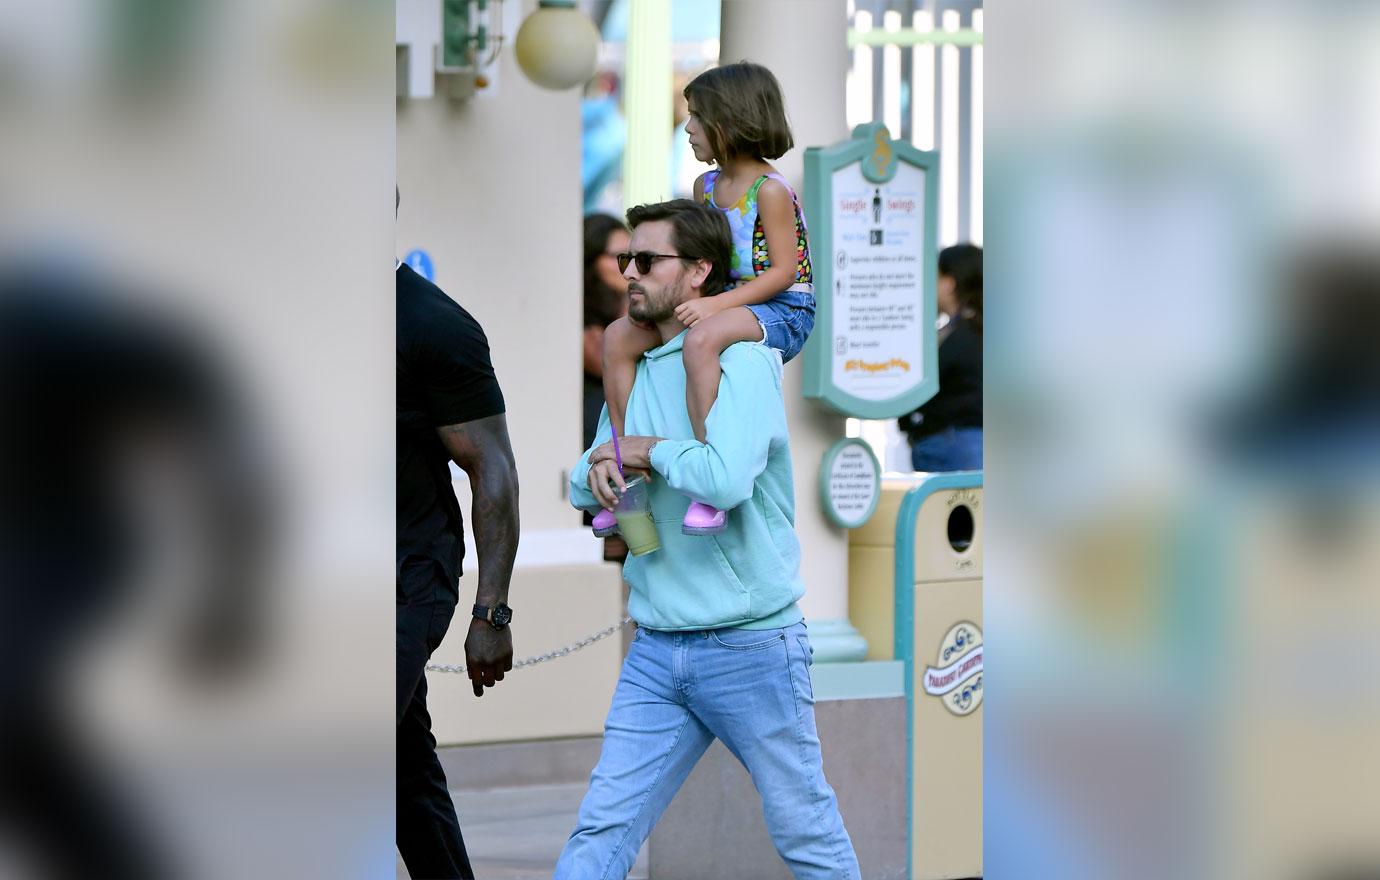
872,204
850,483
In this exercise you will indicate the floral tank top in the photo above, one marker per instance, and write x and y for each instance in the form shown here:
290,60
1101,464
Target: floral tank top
750,241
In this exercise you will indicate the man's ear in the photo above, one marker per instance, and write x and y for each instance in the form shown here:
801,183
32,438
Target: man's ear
699,272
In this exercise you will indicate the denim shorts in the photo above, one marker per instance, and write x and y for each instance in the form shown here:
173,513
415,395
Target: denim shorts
787,319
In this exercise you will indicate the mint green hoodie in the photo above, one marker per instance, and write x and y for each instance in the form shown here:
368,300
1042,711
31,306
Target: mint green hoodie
748,576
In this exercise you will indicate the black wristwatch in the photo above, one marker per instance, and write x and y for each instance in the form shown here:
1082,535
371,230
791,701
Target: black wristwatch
498,617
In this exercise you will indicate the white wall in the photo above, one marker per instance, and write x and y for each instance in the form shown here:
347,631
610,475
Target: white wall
491,189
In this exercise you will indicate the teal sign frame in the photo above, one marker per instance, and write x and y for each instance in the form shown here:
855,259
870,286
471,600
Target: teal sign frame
826,468
880,159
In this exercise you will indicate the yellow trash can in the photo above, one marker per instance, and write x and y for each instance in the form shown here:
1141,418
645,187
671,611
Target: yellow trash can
872,570
938,635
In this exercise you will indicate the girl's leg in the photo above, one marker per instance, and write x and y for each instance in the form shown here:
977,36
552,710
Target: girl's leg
703,345
624,343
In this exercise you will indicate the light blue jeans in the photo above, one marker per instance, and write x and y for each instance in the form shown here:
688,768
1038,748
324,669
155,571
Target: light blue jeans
680,690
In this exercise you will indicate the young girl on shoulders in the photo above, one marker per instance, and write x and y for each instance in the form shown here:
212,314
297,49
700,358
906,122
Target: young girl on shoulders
737,123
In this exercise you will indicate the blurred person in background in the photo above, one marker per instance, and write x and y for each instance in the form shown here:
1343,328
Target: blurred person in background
946,433
604,133
606,300
108,414
1318,405
449,408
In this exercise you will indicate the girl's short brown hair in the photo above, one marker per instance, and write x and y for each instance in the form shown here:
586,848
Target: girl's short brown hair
741,110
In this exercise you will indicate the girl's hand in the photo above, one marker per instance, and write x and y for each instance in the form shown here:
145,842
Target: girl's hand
691,312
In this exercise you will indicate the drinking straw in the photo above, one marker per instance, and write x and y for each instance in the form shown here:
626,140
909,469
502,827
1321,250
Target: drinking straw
617,455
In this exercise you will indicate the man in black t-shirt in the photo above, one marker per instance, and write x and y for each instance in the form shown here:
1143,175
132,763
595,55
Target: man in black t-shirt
449,408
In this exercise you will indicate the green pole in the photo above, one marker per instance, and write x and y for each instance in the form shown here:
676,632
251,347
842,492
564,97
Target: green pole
647,103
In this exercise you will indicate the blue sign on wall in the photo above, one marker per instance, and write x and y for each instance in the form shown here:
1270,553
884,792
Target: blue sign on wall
420,261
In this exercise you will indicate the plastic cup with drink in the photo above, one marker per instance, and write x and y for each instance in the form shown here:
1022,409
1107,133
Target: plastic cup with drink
634,511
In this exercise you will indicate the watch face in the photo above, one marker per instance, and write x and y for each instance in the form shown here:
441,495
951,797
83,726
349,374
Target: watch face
502,615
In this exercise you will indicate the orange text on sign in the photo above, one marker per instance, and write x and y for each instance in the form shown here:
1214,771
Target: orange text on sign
876,367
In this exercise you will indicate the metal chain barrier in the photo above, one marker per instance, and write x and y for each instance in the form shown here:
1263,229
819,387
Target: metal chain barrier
549,655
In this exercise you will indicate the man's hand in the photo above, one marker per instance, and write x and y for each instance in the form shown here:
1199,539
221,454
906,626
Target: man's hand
636,453
606,471
600,475
481,448
488,654
691,312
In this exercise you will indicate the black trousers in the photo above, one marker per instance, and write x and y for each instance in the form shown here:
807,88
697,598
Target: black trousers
428,832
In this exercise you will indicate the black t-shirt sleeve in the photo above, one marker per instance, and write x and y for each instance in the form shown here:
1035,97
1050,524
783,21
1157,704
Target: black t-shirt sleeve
454,374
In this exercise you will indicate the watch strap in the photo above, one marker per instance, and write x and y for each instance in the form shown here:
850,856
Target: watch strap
490,613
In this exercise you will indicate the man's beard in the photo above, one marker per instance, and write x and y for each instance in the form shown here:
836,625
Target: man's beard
656,309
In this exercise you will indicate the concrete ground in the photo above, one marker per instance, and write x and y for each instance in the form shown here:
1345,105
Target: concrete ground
517,833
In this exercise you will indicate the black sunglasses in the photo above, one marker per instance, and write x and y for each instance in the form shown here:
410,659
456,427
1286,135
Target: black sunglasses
644,260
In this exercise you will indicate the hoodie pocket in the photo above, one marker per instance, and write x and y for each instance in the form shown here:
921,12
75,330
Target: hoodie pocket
752,562
731,575
686,584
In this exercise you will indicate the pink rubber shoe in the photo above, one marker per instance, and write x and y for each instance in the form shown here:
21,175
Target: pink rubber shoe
701,519
605,525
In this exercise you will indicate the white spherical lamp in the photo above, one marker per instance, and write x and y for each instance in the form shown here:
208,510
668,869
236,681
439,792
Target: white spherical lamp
557,46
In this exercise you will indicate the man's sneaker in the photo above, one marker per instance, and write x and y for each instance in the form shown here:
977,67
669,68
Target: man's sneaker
701,519
605,524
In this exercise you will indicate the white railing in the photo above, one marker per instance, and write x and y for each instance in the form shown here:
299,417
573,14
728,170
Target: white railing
918,69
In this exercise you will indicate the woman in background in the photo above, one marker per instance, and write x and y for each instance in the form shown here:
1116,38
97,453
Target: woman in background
606,300
946,433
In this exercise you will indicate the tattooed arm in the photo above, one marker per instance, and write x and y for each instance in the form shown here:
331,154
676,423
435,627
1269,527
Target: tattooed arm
482,451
